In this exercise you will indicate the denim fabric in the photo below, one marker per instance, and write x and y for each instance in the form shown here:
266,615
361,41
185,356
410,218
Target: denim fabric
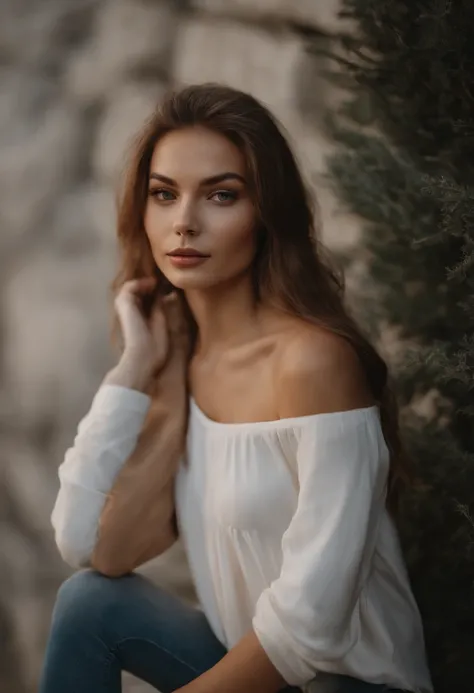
102,626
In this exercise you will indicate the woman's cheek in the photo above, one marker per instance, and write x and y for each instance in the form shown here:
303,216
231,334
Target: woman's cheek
148,221
242,233
239,223
154,225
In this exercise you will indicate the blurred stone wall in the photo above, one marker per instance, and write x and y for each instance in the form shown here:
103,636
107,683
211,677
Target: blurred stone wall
78,77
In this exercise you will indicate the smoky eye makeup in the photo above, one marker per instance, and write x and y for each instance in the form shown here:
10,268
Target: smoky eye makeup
161,194
229,195
221,196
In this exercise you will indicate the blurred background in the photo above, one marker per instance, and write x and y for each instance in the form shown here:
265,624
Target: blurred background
78,77
394,177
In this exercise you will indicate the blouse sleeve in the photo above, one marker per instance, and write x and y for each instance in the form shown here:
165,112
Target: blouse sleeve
309,614
105,439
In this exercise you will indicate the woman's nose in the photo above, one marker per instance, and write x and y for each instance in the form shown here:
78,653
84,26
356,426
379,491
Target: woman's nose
184,230
186,222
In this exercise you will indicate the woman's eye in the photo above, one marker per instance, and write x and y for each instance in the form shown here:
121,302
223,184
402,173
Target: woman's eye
161,194
225,195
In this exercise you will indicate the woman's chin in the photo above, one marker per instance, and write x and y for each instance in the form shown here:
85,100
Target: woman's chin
187,281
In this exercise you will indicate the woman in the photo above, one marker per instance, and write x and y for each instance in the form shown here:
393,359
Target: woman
285,498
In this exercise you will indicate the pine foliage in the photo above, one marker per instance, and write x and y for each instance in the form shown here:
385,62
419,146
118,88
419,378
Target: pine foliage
405,164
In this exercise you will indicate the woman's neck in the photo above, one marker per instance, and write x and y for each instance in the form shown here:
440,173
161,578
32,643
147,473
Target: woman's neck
226,316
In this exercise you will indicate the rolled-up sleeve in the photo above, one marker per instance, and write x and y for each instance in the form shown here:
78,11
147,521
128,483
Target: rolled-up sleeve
310,613
105,439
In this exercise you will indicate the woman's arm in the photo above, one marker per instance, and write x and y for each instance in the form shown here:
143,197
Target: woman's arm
115,507
246,667
138,520
105,438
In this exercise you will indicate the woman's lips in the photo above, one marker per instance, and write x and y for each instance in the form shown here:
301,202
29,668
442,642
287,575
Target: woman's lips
187,260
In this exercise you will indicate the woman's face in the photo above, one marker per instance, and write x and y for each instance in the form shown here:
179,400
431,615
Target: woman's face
199,198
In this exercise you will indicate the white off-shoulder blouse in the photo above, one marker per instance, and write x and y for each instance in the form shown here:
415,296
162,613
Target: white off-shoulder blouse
286,530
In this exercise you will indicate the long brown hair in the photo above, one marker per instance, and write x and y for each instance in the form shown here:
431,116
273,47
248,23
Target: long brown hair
291,267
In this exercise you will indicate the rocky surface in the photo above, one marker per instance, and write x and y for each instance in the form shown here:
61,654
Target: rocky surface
77,78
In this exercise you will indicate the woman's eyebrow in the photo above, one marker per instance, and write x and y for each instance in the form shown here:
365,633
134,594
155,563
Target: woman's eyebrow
219,178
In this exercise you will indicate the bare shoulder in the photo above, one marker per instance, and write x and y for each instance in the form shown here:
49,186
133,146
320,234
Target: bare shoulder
317,371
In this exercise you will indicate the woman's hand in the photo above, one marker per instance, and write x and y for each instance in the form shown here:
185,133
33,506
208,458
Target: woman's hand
148,341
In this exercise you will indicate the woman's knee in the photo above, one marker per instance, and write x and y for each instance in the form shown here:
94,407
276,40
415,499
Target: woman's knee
87,596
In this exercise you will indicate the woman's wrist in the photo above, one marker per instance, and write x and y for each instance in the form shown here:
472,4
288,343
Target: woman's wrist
131,374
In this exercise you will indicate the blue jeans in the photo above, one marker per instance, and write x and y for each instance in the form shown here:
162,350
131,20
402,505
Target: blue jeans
102,626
